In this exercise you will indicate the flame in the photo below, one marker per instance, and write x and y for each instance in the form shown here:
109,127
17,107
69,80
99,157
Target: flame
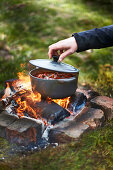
62,102
23,106
35,97
25,84
24,80
8,91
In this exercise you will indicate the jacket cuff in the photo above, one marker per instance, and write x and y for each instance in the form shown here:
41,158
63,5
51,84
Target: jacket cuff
77,38
82,40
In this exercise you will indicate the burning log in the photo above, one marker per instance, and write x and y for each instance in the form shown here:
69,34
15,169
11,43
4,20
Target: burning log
11,84
12,98
52,112
25,105
59,116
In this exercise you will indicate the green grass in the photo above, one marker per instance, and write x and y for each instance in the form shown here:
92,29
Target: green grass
27,28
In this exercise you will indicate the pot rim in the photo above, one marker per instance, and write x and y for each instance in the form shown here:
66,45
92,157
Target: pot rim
71,78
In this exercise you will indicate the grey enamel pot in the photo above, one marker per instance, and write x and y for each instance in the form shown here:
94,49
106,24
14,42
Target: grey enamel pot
56,89
53,88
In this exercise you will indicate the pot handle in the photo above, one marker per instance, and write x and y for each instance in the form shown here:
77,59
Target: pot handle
55,58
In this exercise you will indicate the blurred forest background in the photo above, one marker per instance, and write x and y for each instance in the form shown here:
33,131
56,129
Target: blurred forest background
27,28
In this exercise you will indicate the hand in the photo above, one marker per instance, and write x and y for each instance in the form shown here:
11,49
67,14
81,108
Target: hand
64,47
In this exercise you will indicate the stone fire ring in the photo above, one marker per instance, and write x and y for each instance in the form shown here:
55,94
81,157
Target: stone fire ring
98,109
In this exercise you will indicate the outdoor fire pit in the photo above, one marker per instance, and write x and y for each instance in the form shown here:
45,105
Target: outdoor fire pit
26,119
31,121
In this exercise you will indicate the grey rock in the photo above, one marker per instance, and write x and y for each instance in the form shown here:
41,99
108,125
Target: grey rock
90,94
7,119
25,123
89,118
104,103
2,132
59,137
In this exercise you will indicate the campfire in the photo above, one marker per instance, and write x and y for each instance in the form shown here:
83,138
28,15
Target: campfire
22,101
19,100
33,120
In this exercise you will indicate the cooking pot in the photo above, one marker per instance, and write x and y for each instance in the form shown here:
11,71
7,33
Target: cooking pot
53,88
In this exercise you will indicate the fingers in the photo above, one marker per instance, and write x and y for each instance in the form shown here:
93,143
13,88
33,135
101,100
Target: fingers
50,53
53,49
69,45
65,54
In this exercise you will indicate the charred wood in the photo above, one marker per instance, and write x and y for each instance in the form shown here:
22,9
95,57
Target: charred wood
52,112
76,102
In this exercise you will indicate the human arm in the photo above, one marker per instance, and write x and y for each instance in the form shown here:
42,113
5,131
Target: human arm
95,38
91,39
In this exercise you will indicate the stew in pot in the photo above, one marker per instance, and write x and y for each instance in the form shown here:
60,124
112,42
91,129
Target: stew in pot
51,75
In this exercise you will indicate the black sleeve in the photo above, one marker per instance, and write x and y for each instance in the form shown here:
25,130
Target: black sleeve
95,38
